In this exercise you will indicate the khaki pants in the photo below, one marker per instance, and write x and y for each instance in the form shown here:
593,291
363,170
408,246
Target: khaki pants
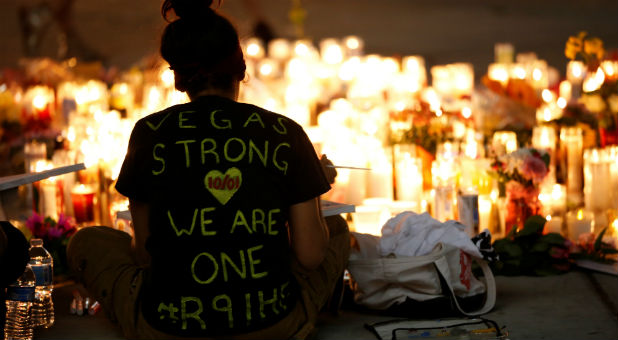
103,261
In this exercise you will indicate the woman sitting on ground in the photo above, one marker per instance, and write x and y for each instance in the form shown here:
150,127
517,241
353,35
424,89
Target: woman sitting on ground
229,238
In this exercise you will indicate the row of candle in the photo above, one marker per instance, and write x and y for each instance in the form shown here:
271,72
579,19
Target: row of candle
292,77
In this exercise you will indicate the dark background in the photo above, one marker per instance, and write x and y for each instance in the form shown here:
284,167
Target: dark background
442,31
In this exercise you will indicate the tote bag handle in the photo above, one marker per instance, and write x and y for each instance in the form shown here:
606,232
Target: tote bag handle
490,283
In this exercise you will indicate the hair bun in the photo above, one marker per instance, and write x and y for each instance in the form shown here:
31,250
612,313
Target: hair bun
186,8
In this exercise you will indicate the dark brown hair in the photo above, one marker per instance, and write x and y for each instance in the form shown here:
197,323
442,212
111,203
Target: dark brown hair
201,46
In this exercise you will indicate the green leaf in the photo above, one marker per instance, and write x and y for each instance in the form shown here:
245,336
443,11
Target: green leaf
513,250
512,232
533,225
553,239
599,240
540,247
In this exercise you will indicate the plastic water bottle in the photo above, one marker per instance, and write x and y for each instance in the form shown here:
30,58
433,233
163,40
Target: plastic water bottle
20,296
42,266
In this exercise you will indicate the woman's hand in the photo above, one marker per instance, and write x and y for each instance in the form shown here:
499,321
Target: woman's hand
329,169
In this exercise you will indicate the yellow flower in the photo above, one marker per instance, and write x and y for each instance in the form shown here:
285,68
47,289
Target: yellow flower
573,47
594,46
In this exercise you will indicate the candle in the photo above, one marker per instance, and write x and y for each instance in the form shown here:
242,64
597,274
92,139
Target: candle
613,179
565,90
468,212
353,45
367,219
571,143
498,72
557,199
331,52
254,48
597,180
485,211
413,67
50,203
447,151
279,49
83,203
553,224
34,152
539,74
445,203
122,97
544,137
575,74
593,81
408,174
380,178
579,222
610,68
576,71
39,104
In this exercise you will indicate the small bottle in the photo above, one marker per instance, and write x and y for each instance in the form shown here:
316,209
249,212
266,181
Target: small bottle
42,266
20,296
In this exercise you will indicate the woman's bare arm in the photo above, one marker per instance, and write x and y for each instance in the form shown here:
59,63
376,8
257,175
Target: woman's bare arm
308,233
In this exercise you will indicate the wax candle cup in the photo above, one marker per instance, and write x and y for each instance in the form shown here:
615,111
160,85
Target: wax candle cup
579,222
553,224
83,203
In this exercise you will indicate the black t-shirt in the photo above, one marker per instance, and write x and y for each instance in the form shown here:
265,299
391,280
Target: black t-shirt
219,177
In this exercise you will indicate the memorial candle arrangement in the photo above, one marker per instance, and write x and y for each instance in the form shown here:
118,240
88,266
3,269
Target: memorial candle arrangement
360,110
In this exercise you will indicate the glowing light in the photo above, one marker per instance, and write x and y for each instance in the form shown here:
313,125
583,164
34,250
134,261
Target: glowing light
519,72
498,72
254,48
71,134
594,81
609,67
561,102
331,52
580,214
301,49
537,74
547,95
577,70
349,69
270,104
466,112
352,43
39,102
42,165
266,69
123,88
167,77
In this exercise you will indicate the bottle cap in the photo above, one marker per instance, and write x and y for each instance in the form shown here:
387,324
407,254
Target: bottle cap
35,242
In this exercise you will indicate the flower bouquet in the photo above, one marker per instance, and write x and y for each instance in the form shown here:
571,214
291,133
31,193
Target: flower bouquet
531,252
521,172
595,248
55,236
